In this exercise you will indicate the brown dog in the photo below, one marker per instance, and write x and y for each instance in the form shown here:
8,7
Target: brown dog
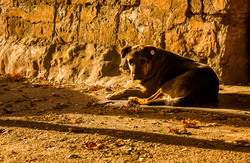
167,78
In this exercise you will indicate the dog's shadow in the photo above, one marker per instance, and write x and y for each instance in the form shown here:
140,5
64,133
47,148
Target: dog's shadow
234,101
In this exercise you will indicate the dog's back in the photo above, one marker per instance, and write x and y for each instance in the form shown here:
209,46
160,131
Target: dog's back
189,81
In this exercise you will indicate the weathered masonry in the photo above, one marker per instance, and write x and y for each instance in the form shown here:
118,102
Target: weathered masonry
79,40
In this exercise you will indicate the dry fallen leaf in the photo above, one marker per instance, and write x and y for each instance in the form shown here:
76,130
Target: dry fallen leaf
130,109
79,120
179,132
93,87
234,130
2,130
28,136
55,95
13,77
20,100
91,145
74,156
190,123
120,117
108,90
213,124
125,109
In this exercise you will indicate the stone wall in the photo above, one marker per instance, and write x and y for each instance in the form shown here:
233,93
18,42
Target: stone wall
79,40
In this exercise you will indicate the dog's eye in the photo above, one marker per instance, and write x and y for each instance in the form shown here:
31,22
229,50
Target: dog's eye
143,61
131,61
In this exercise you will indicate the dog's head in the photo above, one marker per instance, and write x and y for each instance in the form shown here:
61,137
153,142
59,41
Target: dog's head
139,60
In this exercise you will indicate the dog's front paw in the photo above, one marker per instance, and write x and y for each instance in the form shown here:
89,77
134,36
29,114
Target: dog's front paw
133,100
137,100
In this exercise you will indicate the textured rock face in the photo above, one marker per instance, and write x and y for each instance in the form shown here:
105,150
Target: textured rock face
79,40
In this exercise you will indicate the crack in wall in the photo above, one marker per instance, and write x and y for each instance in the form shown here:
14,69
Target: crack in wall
56,5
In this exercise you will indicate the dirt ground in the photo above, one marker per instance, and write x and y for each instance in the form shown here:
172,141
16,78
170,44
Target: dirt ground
53,122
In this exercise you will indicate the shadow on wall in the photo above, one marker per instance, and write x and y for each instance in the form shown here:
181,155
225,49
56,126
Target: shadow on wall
248,40
110,62
235,62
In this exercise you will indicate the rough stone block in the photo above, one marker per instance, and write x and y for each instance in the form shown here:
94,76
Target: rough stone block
30,22
99,28
196,40
177,15
173,41
67,22
215,6
127,33
3,25
42,13
196,6
82,1
16,12
130,2
17,28
164,5
88,14
201,37
5,3
39,13
41,30
141,26
25,3
20,29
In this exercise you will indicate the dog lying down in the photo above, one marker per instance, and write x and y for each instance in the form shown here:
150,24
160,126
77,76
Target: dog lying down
167,79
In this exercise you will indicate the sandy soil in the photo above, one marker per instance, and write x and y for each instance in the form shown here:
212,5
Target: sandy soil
44,122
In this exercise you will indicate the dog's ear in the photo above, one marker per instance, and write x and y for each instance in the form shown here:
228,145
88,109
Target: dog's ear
150,50
125,51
